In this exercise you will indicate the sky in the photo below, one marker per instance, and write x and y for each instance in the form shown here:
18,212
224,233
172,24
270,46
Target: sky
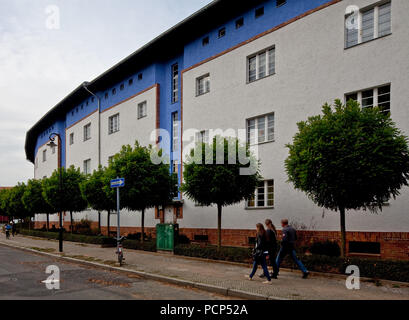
48,48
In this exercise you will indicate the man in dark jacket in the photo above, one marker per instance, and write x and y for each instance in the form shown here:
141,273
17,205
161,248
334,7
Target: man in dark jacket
289,237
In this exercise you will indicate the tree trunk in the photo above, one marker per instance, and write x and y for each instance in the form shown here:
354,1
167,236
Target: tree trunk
219,225
109,222
71,222
48,221
343,232
143,226
99,222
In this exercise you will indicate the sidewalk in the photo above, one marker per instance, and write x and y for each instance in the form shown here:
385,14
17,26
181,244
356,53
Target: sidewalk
227,276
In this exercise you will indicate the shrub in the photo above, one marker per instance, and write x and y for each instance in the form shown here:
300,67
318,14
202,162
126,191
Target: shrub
182,239
83,227
327,248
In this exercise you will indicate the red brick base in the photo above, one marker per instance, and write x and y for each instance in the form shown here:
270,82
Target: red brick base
394,245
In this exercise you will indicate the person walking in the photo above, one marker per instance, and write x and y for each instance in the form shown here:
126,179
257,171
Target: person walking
260,253
13,229
8,228
271,233
289,237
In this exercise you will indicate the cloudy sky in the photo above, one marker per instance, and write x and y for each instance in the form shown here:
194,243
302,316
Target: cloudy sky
40,65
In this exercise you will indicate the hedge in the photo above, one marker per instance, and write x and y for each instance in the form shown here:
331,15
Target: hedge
369,268
101,240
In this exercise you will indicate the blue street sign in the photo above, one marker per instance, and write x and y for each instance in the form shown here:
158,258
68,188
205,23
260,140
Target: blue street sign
118,183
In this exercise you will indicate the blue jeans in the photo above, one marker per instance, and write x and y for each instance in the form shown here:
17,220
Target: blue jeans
281,255
263,264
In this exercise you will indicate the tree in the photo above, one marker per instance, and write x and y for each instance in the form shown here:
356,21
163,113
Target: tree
68,197
34,201
94,190
348,159
15,206
147,185
4,201
209,183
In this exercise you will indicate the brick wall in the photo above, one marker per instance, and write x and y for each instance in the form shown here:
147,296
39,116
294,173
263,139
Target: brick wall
394,245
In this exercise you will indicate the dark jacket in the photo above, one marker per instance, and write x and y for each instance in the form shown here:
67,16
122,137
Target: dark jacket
271,240
262,243
289,237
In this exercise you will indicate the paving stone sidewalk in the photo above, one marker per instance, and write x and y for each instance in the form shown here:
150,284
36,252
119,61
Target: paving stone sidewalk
230,276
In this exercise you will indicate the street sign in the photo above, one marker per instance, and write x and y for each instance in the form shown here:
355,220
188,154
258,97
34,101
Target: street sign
118,183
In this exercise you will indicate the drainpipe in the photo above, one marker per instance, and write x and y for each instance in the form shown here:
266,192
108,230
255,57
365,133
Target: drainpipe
85,86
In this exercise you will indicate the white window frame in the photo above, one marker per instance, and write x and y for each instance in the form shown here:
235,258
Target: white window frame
202,136
253,137
269,66
175,83
142,110
72,138
203,85
175,131
375,96
87,166
265,186
375,27
113,126
87,132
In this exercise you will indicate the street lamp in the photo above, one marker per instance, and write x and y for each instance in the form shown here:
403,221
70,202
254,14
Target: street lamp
53,145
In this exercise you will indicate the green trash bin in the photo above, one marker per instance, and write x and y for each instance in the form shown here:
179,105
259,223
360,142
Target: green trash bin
166,234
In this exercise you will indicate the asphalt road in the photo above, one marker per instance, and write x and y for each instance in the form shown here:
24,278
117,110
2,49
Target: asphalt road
22,273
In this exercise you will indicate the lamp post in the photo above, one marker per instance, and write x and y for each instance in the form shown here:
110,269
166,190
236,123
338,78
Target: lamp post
53,145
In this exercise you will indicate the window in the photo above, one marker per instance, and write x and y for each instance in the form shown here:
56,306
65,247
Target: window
130,82
106,95
263,196
53,150
222,33
175,167
175,131
360,247
175,83
205,41
110,159
261,65
202,136
239,23
259,12
87,166
280,3
140,76
380,97
368,24
44,155
113,124
203,85
122,87
260,129
142,110
87,132
71,138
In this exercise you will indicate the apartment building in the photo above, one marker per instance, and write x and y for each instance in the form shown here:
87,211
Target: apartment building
255,66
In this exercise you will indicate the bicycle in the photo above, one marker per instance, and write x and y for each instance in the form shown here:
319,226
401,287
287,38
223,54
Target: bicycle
119,251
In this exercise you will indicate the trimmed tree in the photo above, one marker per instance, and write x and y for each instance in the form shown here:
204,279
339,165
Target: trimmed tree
96,194
147,185
34,201
15,206
348,159
209,181
68,197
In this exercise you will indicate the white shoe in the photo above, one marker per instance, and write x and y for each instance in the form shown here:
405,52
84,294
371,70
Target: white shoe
248,277
267,282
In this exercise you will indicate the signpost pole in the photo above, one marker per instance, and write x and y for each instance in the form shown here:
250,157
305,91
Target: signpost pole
118,228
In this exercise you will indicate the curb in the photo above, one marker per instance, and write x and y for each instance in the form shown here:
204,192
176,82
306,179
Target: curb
150,276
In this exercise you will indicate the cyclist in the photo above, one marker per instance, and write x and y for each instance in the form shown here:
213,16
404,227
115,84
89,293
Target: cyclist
8,228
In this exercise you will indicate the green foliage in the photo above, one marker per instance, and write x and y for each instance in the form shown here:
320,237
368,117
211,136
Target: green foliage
33,199
349,158
220,184
95,189
13,204
233,254
67,196
4,202
146,184
213,175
